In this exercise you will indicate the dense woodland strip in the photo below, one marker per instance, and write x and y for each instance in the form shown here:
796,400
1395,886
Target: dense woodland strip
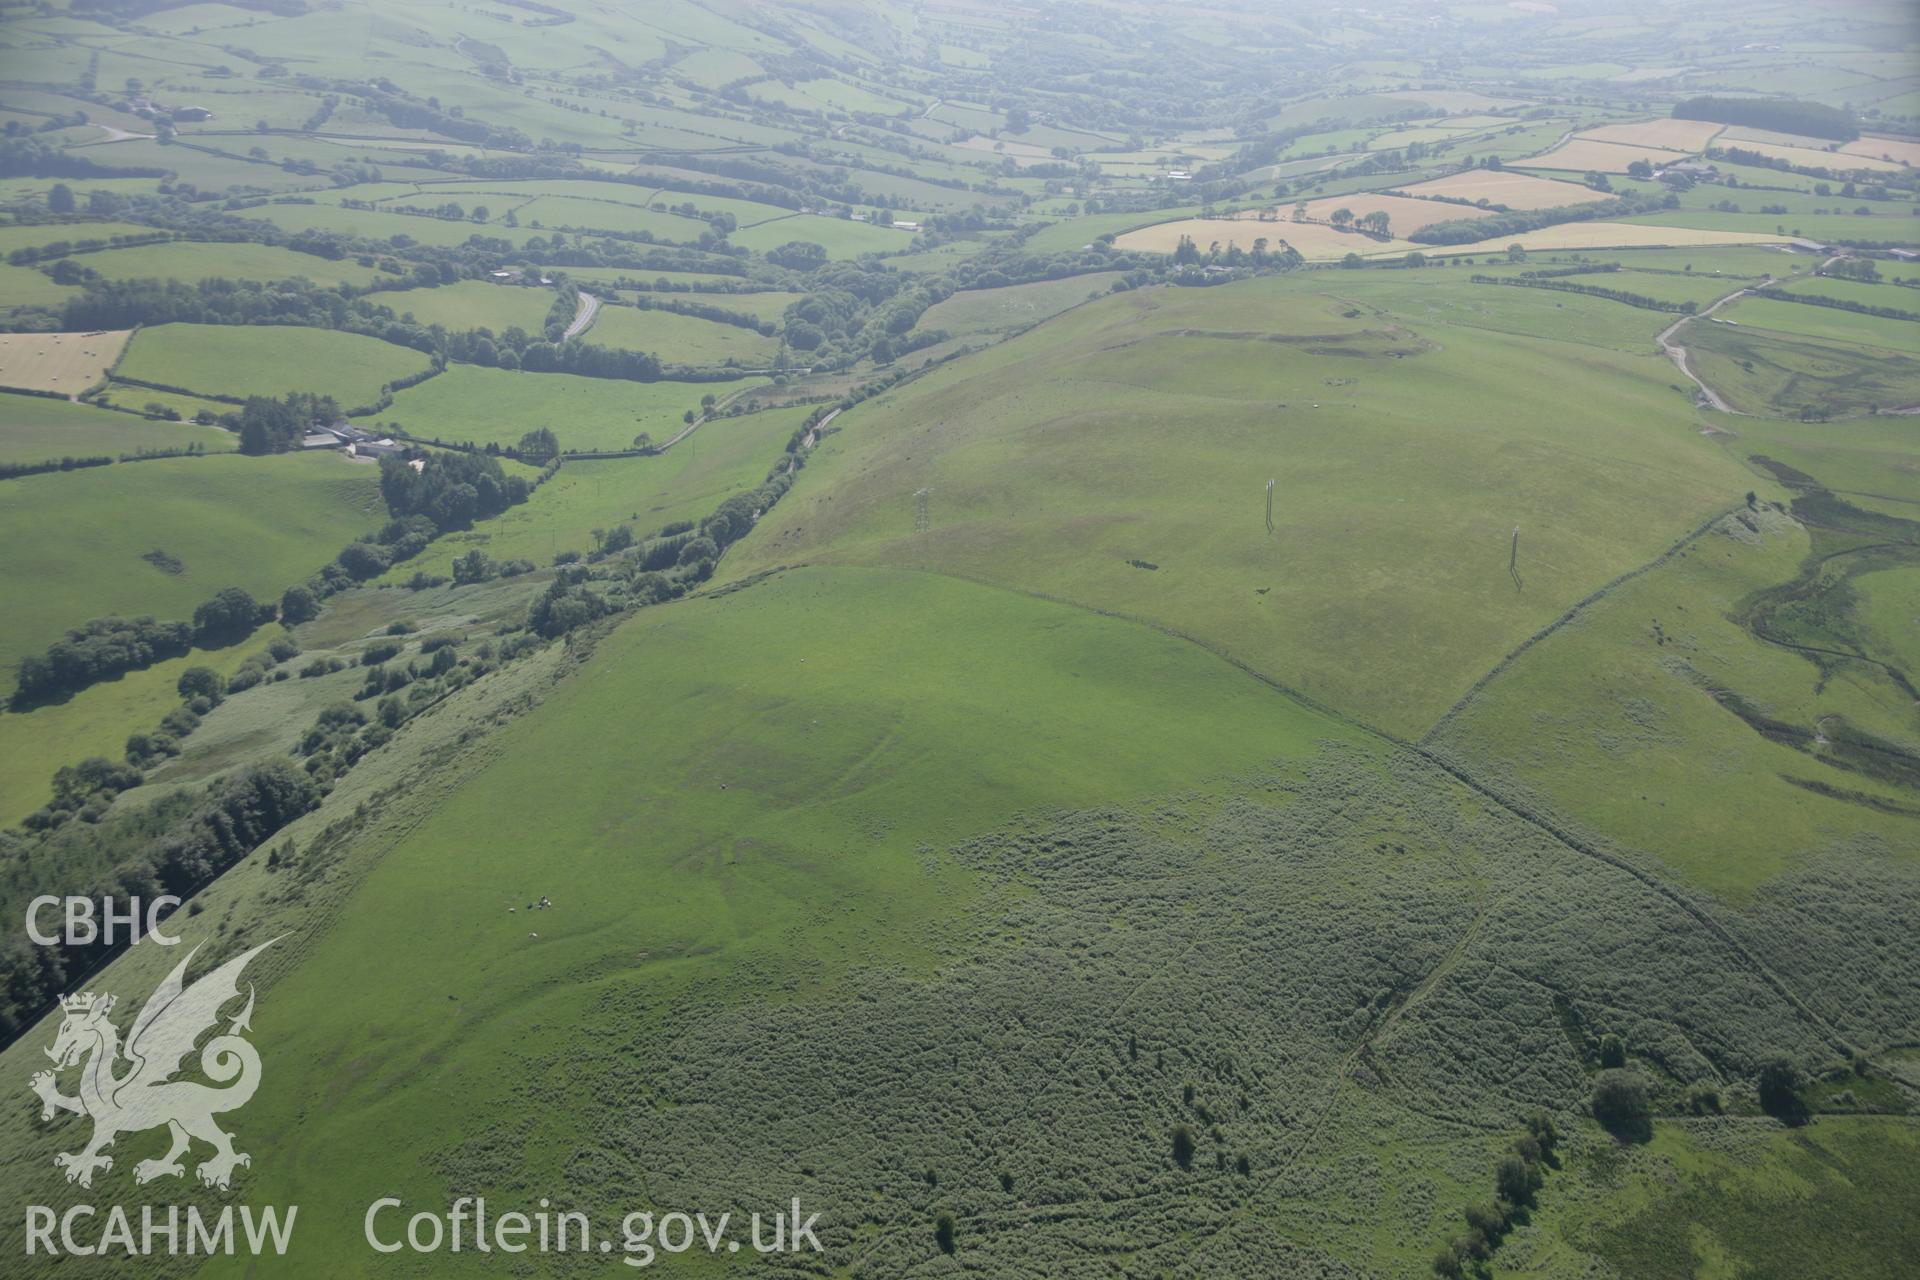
1813,119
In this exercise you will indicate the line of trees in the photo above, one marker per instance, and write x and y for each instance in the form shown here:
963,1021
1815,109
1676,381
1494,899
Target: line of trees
97,650
1838,304
1519,221
706,311
1616,295
14,470
102,648
1517,1180
234,819
27,256
119,304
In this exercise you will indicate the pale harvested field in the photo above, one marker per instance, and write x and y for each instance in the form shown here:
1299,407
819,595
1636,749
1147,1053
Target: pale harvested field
1896,149
1671,135
1602,235
1580,155
68,363
1313,241
1514,190
1814,158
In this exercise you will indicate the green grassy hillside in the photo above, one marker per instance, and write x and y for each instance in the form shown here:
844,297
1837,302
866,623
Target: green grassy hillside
39,429
1118,458
267,360
467,404
258,523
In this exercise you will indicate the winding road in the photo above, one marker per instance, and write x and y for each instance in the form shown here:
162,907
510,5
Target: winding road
583,318
1678,353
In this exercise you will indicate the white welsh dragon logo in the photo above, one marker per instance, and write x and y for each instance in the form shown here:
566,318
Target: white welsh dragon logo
144,1096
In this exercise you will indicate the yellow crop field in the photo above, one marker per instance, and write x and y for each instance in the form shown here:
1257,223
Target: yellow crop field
65,362
1891,149
1669,135
1514,190
1606,235
1816,158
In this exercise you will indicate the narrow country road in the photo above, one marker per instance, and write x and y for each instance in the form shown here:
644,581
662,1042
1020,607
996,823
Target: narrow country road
813,438
583,318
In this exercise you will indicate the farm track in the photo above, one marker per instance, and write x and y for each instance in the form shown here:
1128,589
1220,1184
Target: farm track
1678,354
